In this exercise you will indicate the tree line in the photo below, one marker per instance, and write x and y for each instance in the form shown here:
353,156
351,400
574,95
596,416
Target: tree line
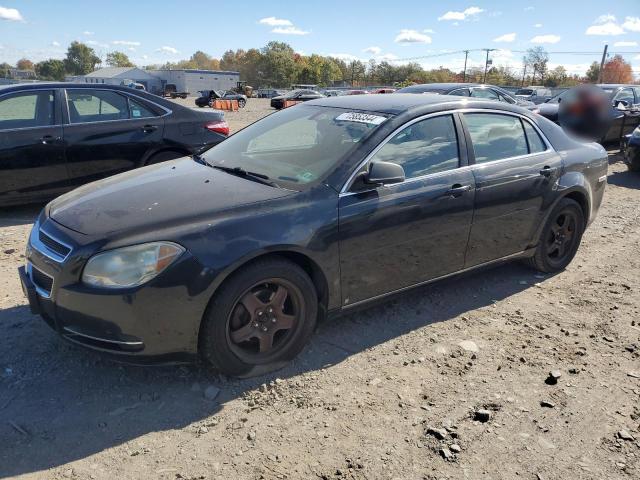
278,65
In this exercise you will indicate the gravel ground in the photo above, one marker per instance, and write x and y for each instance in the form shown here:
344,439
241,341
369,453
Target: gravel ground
450,381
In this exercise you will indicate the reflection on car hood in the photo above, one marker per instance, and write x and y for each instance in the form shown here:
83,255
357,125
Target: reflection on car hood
170,193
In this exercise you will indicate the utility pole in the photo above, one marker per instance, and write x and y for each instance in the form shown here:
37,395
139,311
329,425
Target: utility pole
464,72
524,74
486,63
604,57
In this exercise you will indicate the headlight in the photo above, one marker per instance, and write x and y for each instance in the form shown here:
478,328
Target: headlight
130,266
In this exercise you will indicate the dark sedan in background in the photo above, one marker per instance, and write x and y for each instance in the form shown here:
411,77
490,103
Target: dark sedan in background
310,211
631,150
207,97
295,95
474,90
624,111
57,136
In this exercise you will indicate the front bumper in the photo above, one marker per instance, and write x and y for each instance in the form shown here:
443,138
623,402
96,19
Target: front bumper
158,321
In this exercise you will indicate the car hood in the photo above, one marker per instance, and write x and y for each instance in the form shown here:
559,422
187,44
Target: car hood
158,196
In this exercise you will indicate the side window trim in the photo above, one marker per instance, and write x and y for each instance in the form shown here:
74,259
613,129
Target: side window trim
57,119
462,149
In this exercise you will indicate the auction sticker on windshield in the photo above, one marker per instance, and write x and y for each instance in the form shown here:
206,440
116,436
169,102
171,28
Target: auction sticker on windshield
361,118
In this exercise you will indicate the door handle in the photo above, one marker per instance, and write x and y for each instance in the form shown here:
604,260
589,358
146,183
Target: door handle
457,190
149,128
547,171
49,139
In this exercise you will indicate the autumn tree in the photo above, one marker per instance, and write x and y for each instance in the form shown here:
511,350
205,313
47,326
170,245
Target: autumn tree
24,64
617,70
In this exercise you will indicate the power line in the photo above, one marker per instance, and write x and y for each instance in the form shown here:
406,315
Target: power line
456,52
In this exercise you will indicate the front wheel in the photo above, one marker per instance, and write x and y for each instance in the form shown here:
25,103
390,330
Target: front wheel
260,319
560,237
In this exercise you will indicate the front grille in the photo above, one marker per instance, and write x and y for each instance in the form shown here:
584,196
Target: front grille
41,280
54,245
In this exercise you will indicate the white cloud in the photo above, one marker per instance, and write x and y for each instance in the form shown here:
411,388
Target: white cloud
625,44
275,22
289,31
373,50
168,50
606,18
429,30
347,57
407,36
632,24
55,44
10,14
507,37
538,25
126,43
545,39
88,33
609,28
464,15
131,49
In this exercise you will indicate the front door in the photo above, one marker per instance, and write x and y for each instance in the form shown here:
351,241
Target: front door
515,173
396,236
32,162
107,133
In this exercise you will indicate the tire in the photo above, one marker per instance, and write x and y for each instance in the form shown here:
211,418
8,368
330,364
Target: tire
559,241
164,157
234,339
241,103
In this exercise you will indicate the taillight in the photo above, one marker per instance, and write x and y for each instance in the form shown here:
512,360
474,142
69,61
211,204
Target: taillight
221,127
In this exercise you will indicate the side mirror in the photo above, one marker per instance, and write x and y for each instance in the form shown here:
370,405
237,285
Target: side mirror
621,104
381,173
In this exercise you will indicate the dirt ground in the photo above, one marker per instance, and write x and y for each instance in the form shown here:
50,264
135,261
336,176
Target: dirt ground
392,392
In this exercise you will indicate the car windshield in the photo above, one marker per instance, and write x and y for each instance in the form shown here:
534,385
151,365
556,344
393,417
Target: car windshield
292,93
524,91
296,146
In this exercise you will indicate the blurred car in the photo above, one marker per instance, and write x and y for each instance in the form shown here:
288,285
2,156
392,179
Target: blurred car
384,90
534,94
57,136
269,92
631,150
475,90
356,92
207,97
332,93
295,95
625,109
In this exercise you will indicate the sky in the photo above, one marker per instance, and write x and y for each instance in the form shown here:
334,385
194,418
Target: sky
152,32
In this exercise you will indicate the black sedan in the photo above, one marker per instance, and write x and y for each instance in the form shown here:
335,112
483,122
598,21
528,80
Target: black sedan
631,150
624,112
207,97
295,95
314,210
474,90
57,136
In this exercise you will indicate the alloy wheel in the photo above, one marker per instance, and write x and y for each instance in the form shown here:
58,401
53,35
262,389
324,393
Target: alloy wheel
562,236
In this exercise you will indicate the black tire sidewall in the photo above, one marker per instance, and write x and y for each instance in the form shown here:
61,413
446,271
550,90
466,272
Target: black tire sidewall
214,347
541,257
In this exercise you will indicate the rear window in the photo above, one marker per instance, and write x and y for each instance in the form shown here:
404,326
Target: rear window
496,136
96,106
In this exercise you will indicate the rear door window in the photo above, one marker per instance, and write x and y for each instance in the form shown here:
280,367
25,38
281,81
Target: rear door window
27,110
486,93
96,106
496,136
536,144
463,92
138,110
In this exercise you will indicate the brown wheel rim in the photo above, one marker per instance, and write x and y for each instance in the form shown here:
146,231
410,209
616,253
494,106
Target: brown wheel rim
264,319
561,237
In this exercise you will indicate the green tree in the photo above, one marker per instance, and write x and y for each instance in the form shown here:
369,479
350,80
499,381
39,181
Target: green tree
536,59
593,72
4,69
278,64
80,59
118,59
50,70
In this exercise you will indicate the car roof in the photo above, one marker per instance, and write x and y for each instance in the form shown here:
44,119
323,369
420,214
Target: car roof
41,85
615,85
397,103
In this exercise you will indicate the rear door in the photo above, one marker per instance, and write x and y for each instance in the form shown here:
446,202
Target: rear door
108,132
32,163
515,171
396,236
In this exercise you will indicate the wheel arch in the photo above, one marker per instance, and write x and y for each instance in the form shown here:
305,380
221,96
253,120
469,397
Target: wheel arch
577,193
180,151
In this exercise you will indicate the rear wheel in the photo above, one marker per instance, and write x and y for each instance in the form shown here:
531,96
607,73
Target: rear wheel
560,237
260,319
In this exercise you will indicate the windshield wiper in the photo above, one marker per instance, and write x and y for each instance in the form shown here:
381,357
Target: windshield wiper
241,172
200,159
